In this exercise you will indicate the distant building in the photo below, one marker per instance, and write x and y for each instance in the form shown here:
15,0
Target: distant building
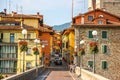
68,42
111,6
46,37
57,42
107,60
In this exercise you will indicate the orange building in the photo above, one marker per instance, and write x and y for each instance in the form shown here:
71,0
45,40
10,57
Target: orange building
46,40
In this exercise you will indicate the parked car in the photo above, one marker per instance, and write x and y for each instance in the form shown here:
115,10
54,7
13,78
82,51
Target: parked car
58,61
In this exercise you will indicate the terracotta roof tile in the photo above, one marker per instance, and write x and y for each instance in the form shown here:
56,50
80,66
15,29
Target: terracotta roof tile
16,28
23,16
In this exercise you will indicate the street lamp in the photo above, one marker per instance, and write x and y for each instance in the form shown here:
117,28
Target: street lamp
24,32
94,33
37,42
43,54
81,53
82,43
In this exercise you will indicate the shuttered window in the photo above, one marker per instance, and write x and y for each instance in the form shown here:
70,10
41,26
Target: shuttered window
104,34
104,65
90,34
104,49
90,63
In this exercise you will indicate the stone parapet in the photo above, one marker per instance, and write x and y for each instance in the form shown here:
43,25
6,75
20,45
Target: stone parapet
87,75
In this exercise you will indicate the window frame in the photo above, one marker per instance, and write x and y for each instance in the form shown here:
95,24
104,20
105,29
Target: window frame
102,65
90,17
103,51
29,51
100,21
90,37
12,37
88,63
106,34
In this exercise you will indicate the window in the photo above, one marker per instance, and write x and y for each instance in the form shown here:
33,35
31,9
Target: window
104,48
104,64
90,34
12,37
90,18
67,44
1,35
28,65
90,64
29,51
63,45
28,36
104,34
100,22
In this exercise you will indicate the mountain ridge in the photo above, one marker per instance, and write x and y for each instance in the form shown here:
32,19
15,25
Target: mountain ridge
62,26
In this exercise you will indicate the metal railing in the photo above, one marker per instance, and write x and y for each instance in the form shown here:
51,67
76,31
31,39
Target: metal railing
27,75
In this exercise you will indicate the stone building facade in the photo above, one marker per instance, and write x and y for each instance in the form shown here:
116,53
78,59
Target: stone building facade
111,6
108,39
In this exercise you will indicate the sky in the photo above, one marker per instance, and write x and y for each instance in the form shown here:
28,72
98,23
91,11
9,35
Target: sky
55,12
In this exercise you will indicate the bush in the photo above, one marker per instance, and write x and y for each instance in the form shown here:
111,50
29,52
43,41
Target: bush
1,77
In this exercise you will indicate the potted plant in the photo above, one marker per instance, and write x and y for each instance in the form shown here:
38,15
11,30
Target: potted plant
35,51
75,53
93,47
23,46
81,52
93,50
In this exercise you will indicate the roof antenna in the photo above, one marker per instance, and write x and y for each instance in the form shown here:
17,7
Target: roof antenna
9,6
21,17
72,11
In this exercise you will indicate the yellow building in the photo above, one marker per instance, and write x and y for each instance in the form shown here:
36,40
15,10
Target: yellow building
11,26
68,44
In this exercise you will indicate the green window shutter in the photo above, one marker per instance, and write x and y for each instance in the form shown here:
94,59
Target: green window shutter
104,65
90,34
104,49
104,34
90,63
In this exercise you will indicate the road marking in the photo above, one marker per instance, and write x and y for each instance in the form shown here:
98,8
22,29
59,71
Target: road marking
72,76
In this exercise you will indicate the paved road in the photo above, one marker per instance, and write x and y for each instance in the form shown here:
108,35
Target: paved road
57,72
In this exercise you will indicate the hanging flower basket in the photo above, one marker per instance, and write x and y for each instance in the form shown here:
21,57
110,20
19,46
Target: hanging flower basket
75,53
81,52
23,46
93,47
35,51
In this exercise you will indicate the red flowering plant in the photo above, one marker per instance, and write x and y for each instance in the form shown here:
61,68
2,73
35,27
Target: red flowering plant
23,45
93,47
35,51
75,53
81,52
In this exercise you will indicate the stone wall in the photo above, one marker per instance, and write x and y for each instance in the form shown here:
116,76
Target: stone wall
112,7
112,57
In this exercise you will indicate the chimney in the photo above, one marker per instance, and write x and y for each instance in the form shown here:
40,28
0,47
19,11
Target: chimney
5,11
38,13
12,14
82,19
94,4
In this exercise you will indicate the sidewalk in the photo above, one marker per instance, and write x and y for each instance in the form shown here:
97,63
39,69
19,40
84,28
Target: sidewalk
75,77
